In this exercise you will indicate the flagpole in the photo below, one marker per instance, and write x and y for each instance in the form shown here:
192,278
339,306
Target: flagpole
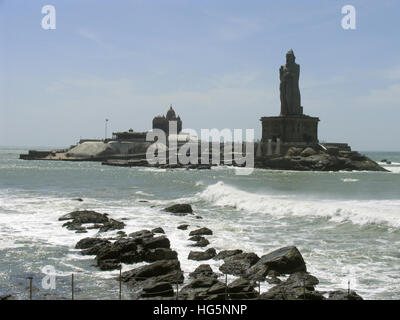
105,130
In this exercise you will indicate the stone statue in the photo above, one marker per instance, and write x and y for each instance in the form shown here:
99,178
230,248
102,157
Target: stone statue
289,87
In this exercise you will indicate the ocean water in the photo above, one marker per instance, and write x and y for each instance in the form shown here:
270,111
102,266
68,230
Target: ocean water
346,224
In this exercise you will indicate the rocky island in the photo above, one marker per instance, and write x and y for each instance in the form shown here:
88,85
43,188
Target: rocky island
289,141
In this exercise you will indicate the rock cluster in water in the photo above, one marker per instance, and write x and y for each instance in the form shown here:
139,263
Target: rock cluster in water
159,278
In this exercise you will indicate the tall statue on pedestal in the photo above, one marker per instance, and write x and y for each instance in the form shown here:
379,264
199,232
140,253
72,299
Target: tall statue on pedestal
290,93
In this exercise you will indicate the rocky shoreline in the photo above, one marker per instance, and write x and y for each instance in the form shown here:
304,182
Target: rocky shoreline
295,158
162,273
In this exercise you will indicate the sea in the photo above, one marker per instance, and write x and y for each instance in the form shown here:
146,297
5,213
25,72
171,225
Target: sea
345,224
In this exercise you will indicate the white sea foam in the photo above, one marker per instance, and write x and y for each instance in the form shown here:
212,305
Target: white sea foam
384,212
350,180
142,193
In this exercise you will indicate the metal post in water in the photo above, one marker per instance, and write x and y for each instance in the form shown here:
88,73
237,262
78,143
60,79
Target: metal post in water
72,286
226,286
120,282
348,289
30,287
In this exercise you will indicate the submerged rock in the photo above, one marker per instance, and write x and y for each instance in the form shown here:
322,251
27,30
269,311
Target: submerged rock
183,226
201,232
180,209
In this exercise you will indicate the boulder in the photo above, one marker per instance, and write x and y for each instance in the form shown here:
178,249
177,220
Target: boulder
238,264
160,254
227,253
180,209
203,270
158,230
285,260
202,242
344,295
201,232
157,289
299,286
308,152
199,255
86,243
140,236
183,226
293,151
158,242
242,289
85,216
160,271
112,225
204,288
108,264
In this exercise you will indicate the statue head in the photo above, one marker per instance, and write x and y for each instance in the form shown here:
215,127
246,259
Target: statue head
290,58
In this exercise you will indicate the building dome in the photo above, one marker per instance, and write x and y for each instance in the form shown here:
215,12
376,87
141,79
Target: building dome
171,113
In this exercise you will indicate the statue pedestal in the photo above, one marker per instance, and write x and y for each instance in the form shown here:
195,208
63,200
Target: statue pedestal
290,129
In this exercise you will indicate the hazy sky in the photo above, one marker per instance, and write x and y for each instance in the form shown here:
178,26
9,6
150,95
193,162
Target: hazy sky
217,62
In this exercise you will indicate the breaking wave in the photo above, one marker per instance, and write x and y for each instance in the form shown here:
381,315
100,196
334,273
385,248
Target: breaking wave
361,212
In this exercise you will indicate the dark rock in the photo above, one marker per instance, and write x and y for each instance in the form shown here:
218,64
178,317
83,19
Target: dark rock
108,264
203,288
141,235
199,255
284,260
160,254
5,297
124,250
183,226
344,295
93,250
122,234
163,270
196,238
81,230
299,286
203,242
112,225
238,264
242,289
78,199
85,216
158,289
203,270
227,253
90,242
201,232
158,242
158,230
180,209
308,152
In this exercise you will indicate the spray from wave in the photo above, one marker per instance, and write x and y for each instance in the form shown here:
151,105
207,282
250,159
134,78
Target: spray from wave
379,212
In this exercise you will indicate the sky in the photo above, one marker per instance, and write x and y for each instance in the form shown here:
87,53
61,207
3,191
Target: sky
216,62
